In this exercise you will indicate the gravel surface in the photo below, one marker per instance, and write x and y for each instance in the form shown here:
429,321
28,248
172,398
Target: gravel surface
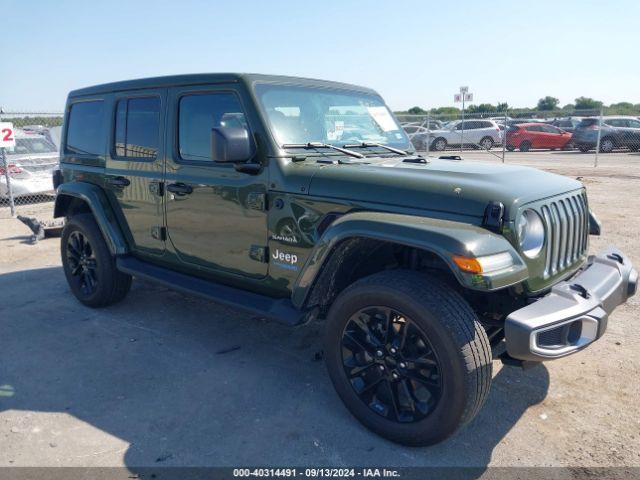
169,379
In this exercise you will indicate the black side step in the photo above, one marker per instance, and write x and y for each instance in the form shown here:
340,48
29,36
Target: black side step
281,310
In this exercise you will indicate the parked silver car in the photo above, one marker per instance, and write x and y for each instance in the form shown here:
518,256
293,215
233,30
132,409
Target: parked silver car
30,165
481,133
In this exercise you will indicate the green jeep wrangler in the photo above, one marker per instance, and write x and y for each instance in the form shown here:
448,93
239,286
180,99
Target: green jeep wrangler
300,199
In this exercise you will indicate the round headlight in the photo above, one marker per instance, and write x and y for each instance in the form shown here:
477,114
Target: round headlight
530,233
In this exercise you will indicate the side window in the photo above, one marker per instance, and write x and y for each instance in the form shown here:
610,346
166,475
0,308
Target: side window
85,129
633,123
198,114
614,122
137,128
533,128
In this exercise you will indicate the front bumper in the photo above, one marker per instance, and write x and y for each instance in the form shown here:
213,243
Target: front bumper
575,313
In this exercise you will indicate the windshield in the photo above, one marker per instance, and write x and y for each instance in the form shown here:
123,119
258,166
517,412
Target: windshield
32,145
300,115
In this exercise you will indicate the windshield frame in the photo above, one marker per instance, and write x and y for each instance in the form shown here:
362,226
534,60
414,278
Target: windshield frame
338,89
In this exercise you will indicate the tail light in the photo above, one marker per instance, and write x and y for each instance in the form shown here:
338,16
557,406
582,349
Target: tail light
13,170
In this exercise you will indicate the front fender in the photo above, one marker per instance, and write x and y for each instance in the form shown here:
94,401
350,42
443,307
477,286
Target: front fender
443,238
97,202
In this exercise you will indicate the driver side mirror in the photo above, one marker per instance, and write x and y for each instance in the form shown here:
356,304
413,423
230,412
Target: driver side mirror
231,144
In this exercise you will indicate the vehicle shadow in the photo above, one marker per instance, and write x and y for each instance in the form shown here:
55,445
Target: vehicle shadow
186,382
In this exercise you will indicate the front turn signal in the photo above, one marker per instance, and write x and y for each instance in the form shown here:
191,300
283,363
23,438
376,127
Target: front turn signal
467,264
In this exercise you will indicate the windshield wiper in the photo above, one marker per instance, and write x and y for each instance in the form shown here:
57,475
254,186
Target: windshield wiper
379,145
323,145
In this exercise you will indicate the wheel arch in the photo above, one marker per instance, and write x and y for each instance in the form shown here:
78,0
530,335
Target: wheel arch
339,256
80,197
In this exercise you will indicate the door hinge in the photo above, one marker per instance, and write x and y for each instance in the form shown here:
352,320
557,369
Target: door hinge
157,188
159,233
256,201
258,253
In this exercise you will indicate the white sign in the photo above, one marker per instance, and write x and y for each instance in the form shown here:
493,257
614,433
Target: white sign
383,118
457,98
7,135
468,97
464,89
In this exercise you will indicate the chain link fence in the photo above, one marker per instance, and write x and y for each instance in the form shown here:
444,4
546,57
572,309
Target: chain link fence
26,170
588,132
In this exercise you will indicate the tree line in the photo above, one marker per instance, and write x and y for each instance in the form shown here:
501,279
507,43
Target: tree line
547,104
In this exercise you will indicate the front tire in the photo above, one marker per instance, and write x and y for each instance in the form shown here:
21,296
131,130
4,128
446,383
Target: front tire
439,144
89,266
408,356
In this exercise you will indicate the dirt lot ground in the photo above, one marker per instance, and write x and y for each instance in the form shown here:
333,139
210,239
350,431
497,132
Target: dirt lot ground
168,379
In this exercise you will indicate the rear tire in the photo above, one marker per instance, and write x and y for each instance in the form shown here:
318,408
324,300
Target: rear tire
584,148
442,362
525,146
486,143
89,266
511,148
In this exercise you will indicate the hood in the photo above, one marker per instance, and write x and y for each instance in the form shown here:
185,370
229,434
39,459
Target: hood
457,187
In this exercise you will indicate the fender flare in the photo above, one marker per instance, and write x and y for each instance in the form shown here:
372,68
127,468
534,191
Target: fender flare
97,201
443,238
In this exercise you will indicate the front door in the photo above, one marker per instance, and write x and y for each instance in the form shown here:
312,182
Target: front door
216,216
135,166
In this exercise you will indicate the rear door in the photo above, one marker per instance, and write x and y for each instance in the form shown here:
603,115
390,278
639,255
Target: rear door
534,133
135,167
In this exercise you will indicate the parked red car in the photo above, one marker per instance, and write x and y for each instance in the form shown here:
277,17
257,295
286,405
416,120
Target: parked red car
526,136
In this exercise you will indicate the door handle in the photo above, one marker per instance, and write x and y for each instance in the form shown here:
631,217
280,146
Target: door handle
180,188
118,182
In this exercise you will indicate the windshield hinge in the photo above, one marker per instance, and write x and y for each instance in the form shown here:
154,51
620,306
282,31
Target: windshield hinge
257,201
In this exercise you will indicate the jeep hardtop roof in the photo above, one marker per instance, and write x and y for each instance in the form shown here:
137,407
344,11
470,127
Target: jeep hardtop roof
208,78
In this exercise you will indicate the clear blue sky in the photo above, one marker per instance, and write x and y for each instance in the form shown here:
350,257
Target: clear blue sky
412,52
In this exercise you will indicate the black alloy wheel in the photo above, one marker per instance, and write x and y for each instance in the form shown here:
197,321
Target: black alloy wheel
391,364
82,262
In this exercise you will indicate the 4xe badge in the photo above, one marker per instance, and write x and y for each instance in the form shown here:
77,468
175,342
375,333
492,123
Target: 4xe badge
285,260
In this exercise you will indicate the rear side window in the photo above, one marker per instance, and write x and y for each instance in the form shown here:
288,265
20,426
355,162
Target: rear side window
533,128
588,122
137,128
615,122
198,115
85,128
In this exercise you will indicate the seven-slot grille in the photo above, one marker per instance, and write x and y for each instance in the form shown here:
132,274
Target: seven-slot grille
567,224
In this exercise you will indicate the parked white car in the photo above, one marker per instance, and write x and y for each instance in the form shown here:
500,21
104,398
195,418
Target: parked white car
481,133
30,165
415,128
